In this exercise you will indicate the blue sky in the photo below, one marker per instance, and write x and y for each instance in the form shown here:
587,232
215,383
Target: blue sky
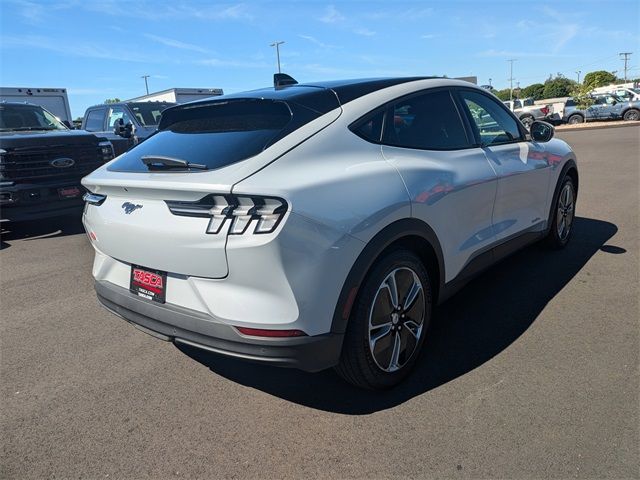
99,49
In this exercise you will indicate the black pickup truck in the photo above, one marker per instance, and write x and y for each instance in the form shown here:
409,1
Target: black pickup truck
42,163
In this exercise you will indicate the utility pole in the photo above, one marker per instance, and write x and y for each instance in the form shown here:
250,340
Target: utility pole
277,45
626,56
511,77
146,85
579,72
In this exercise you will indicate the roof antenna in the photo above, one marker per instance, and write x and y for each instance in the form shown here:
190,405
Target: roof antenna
282,80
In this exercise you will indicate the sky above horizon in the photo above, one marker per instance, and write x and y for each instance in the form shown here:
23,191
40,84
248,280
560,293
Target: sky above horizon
100,49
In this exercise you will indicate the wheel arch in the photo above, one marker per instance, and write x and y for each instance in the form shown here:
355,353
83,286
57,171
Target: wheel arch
410,233
571,169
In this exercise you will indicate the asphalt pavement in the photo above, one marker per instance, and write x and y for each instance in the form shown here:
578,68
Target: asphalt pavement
532,371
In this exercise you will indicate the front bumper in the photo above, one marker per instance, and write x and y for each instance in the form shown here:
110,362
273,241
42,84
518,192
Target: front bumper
191,327
27,202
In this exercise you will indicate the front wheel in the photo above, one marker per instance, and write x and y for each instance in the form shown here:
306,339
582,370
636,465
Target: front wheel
632,114
388,322
563,215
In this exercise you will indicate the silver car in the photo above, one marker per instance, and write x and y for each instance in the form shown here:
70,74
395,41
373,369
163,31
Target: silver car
316,226
605,107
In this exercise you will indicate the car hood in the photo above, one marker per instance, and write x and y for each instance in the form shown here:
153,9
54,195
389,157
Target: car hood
47,137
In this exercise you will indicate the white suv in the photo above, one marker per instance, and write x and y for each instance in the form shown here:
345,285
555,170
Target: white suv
316,226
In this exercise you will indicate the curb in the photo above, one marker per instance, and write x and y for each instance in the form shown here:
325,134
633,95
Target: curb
563,128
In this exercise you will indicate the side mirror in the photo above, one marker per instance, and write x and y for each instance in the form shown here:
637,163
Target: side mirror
124,131
541,131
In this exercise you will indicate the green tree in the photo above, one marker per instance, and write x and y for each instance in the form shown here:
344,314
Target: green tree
558,86
599,78
112,100
503,94
581,97
535,91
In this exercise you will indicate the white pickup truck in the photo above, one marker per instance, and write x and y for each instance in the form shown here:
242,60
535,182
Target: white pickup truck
527,111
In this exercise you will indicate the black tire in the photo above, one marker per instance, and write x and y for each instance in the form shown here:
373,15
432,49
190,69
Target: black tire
631,114
575,119
557,237
358,365
527,120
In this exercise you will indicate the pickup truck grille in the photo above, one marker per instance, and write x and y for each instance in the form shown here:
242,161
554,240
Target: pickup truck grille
33,164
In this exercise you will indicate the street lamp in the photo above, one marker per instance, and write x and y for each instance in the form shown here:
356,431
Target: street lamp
146,85
277,45
579,72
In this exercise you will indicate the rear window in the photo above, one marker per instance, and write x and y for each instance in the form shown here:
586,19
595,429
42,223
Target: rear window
215,135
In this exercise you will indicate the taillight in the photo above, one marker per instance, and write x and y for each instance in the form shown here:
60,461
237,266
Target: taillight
259,332
545,110
245,213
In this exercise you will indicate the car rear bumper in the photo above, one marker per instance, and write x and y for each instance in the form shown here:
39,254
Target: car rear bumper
190,327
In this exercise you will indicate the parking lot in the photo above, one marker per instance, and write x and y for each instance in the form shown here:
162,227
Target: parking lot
531,371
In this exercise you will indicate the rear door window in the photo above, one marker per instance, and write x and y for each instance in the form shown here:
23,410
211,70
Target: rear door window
429,121
95,120
215,134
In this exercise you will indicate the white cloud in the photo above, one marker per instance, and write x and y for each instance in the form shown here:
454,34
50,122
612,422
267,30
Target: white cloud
428,36
76,49
217,62
332,15
169,42
364,32
408,14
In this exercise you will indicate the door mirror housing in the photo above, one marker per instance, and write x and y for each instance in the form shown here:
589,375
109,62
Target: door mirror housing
541,131
125,131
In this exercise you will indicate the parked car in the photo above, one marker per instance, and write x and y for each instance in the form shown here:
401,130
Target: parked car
42,162
605,107
125,124
314,226
626,91
528,112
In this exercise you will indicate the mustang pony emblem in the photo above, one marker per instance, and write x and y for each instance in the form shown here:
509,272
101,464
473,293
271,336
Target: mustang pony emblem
130,207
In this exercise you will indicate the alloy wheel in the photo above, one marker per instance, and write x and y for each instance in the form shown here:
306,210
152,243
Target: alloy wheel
564,217
396,319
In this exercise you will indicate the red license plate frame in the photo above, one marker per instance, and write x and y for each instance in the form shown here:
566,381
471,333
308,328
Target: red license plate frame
148,283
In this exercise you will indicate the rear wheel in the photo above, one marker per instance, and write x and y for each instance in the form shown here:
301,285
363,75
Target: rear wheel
575,119
564,213
388,322
527,120
632,114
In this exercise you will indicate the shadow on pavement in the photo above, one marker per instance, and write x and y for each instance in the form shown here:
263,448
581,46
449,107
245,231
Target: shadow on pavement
478,323
47,228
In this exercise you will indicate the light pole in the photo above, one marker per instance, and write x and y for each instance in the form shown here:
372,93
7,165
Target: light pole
579,72
511,77
277,45
625,56
146,85
490,83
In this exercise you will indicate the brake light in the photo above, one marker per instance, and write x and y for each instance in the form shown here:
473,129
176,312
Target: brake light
545,110
246,213
259,332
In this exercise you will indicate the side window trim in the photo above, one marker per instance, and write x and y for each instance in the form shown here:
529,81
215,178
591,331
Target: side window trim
523,133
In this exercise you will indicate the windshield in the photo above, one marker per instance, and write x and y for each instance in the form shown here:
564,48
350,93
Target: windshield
148,113
18,117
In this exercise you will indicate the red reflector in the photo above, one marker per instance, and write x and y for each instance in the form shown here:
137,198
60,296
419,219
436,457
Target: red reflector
259,332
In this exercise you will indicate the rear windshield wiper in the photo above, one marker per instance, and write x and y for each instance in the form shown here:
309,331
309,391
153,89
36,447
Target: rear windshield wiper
158,162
